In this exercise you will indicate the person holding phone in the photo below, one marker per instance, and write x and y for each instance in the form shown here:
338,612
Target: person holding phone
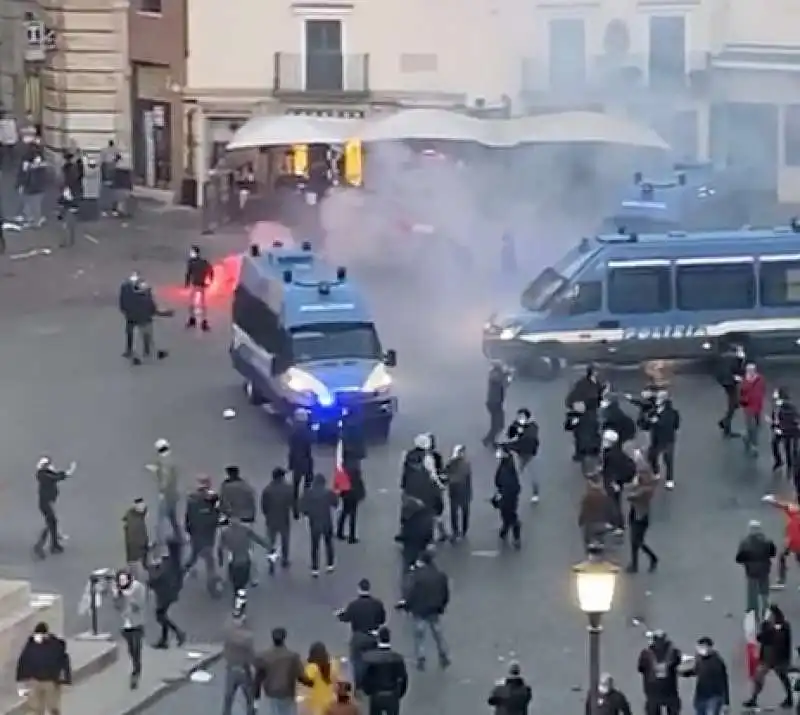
47,480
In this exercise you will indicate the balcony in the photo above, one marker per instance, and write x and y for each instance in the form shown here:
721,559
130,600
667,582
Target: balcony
608,78
321,76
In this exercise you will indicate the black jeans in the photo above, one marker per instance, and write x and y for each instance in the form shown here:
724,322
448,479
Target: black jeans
638,532
317,539
662,707
509,521
782,563
348,515
239,575
497,420
145,336
238,678
300,478
662,453
781,671
615,497
133,640
280,538
731,406
384,705
784,451
459,516
166,623
50,528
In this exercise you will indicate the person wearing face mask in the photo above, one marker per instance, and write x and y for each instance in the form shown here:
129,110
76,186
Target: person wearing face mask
165,584
712,686
130,600
167,477
775,654
201,523
664,425
785,425
730,372
609,700
138,306
752,394
582,419
618,471
640,496
616,420
523,440
43,667
199,276
47,481
416,529
658,665
506,497
137,536
513,695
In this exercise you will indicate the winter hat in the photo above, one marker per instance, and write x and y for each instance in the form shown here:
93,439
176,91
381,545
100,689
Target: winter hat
610,438
161,446
364,586
232,471
706,641
384,636
43,463
422,441
514,670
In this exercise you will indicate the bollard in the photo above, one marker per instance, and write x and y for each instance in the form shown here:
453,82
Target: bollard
94,579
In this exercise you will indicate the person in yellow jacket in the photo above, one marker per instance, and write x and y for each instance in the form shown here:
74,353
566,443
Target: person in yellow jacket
323,672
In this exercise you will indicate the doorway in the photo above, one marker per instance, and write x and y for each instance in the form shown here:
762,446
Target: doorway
324,59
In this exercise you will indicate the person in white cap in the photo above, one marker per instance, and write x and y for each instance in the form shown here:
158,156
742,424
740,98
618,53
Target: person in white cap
47,479
167,479
618,470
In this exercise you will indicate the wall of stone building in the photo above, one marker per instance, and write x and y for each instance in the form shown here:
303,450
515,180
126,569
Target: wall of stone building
86,81
12,84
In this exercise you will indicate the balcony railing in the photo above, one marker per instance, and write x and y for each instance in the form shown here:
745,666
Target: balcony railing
605,77
321,75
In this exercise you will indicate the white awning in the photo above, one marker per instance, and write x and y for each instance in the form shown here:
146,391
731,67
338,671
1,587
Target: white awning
442,125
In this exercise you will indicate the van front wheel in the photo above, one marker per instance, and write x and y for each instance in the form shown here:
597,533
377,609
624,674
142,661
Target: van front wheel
253,395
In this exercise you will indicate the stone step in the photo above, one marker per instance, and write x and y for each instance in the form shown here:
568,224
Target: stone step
15,595
50,609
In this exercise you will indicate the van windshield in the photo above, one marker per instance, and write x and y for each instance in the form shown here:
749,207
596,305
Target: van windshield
542,289
335,341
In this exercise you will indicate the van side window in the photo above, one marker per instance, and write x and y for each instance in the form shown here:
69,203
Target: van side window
256,319
585,297
780,283
639,289
715,286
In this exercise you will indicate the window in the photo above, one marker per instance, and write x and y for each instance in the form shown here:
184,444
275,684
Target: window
335,341
780,283
639,289
257,320
324,60
715,286
582,298
791,135
667,57
567,57
153,6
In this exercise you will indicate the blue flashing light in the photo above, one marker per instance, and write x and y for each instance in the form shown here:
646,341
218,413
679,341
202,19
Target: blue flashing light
325,400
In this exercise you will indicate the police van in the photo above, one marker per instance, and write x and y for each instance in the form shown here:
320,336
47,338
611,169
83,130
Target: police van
693,198
625,298
303,337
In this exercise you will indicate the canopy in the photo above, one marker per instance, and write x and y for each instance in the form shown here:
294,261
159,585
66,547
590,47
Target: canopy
437,124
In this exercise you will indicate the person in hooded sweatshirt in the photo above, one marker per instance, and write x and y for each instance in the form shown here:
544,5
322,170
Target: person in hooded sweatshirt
755,555
523,440
664,425
785,426
511,696
237,497
277,504
417,468
47,480
619,470
199,276
712,685
506,497
617,420
658,665
165,585
775,654
201,522
300,461
136,535
609,700
236,543
730,372
318,504
585,428
458,473
416,529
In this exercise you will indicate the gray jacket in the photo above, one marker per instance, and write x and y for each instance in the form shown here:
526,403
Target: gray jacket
318,504
239,644
237,540
237,499
276,505
132,605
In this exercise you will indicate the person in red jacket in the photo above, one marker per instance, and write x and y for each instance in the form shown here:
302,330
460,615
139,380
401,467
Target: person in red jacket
791,545
752,394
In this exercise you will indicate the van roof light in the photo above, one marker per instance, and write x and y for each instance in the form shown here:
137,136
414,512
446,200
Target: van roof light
341,274
287,276
306,246
277,244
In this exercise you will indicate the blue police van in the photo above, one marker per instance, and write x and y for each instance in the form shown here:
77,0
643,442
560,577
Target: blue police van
626,298
694,197
303,338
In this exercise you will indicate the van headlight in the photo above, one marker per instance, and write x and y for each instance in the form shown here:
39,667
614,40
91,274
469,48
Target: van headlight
510,333
379,380
304,383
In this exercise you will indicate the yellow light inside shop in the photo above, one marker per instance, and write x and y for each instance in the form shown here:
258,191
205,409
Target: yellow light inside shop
300,159
353,162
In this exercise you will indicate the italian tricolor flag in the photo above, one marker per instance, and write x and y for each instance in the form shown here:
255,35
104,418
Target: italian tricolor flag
751,643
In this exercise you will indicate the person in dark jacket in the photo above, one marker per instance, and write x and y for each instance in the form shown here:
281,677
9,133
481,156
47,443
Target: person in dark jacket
664,425
618,471
785,424
165,584
416,528
318,504
238,653
354,452
658,666
43,667
585,428
301,458
496,387
201,523
458,475
640,495
236,541
278,670
588,390
755,554
506,497
712,685
365,614
237,497
34,188
277,502
511,696
385,680
136,535
616,419
730,372
47,481
596,512
138,306
199,276
523,440
609,700
426,595
775,654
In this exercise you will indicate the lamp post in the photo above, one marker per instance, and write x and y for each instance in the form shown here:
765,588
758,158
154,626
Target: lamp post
595,579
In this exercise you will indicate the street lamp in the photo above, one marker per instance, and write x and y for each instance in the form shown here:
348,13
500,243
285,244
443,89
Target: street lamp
595,579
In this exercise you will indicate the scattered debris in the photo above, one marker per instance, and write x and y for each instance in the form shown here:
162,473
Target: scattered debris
30,254
91,239
708,599
228,413
201,676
